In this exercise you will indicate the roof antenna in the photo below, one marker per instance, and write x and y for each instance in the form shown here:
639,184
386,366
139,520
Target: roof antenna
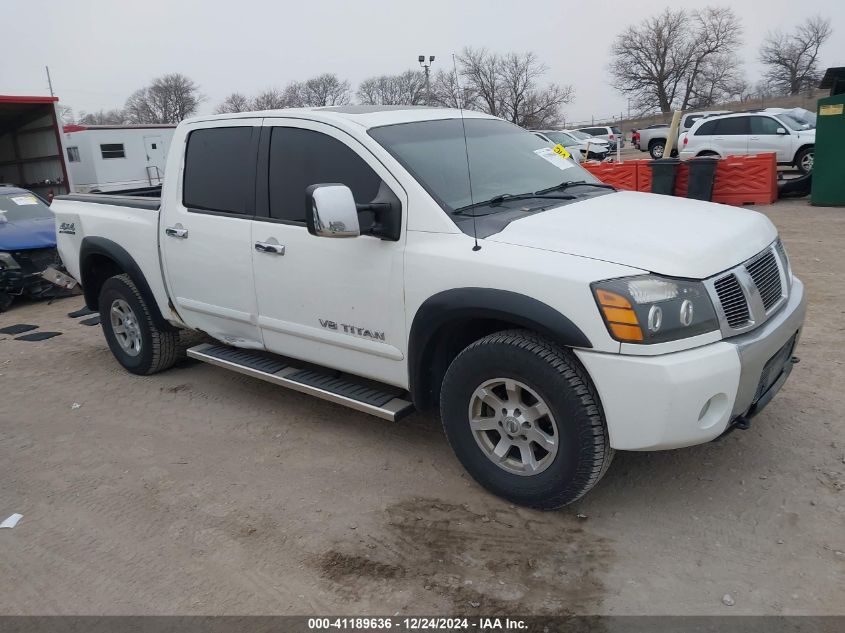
460,99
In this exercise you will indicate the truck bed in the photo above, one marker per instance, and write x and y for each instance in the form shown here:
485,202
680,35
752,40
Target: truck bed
87,222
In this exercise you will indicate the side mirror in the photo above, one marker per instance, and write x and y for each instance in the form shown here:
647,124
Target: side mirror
330,211
781,130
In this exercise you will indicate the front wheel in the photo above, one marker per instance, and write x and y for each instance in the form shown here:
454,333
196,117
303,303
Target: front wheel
130,330
524,419
804,160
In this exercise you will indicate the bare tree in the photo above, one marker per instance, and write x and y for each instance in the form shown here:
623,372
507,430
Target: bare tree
507,85
406,88
792,58
326,90
235,102
522,101
270,99
103,117
676,58
168,99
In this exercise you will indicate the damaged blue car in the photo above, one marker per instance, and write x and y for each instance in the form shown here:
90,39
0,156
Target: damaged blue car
29,263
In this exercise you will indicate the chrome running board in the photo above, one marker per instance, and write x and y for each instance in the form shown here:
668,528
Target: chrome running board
381,401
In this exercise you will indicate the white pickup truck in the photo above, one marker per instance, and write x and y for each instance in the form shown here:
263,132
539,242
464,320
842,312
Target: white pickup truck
349,253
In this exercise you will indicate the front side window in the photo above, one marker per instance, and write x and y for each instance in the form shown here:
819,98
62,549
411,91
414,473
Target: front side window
219,170
764,125
112,150
733,126
73,154
504,159
300,158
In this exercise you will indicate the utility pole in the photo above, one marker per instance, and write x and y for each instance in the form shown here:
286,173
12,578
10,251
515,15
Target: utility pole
427,69
49,81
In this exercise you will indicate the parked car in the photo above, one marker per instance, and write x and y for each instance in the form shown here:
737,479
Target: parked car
574,152
595,150
600,143
653,138
28,259
612,134
753,133
547,317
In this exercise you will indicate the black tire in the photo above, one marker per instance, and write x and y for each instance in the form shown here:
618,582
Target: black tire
159,349
801,160
656,149
707,152
583,448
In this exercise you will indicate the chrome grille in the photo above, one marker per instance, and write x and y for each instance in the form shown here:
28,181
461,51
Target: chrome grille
748,294
766,275
733,301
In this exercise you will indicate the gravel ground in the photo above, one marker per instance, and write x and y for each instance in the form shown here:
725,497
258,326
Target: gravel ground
203,491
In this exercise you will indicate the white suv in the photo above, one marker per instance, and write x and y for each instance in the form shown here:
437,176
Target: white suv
611,134
752,133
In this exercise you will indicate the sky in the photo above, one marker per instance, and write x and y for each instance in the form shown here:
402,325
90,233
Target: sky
99,51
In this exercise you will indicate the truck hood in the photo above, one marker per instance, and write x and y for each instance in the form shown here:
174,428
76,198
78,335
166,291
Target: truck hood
661,234
27,234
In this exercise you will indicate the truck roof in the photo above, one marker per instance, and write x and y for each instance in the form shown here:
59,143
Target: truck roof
365,116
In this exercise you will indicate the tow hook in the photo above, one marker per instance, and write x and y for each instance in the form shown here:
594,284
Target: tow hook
740,423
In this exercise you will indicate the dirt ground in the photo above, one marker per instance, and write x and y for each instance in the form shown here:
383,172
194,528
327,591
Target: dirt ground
200,491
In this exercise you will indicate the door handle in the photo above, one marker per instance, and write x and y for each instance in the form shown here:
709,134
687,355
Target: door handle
172,231
269,247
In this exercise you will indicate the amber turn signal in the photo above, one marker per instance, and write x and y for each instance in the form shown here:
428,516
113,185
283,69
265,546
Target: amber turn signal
621,318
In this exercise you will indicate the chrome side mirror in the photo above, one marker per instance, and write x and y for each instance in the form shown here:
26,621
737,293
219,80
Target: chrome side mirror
331,211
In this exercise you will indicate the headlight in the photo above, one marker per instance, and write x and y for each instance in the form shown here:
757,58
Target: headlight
7,262
652,309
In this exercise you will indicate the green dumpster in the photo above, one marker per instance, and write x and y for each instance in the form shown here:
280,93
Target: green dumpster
829,163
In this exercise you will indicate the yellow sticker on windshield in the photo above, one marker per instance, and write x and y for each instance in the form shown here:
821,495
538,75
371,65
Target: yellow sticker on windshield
560,150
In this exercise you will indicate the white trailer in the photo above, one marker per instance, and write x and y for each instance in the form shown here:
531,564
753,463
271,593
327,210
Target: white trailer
116,157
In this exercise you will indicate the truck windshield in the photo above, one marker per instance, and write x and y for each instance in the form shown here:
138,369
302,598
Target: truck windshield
504,159
22,205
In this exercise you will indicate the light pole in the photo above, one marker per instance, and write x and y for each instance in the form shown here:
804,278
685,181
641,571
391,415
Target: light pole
427,69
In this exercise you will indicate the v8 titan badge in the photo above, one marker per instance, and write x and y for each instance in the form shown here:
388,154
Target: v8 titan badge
560,150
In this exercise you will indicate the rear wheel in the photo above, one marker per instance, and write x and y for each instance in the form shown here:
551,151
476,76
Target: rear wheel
656,149
131,332
708,153
524,419
804,160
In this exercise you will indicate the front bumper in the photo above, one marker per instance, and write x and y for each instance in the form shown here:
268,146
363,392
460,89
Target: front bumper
691,397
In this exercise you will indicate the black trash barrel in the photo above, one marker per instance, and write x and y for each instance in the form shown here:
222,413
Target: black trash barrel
663,172
702,175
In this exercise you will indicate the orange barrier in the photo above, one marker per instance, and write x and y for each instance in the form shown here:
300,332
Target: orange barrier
620,175
746,180
739,179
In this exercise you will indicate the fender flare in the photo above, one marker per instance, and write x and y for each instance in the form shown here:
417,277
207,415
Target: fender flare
467,304
120,256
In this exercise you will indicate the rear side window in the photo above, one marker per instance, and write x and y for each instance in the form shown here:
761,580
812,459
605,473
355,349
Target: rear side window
301,158
219,170
732,127
616,130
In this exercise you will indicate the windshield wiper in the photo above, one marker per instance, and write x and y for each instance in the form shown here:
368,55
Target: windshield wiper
507,197
572,183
